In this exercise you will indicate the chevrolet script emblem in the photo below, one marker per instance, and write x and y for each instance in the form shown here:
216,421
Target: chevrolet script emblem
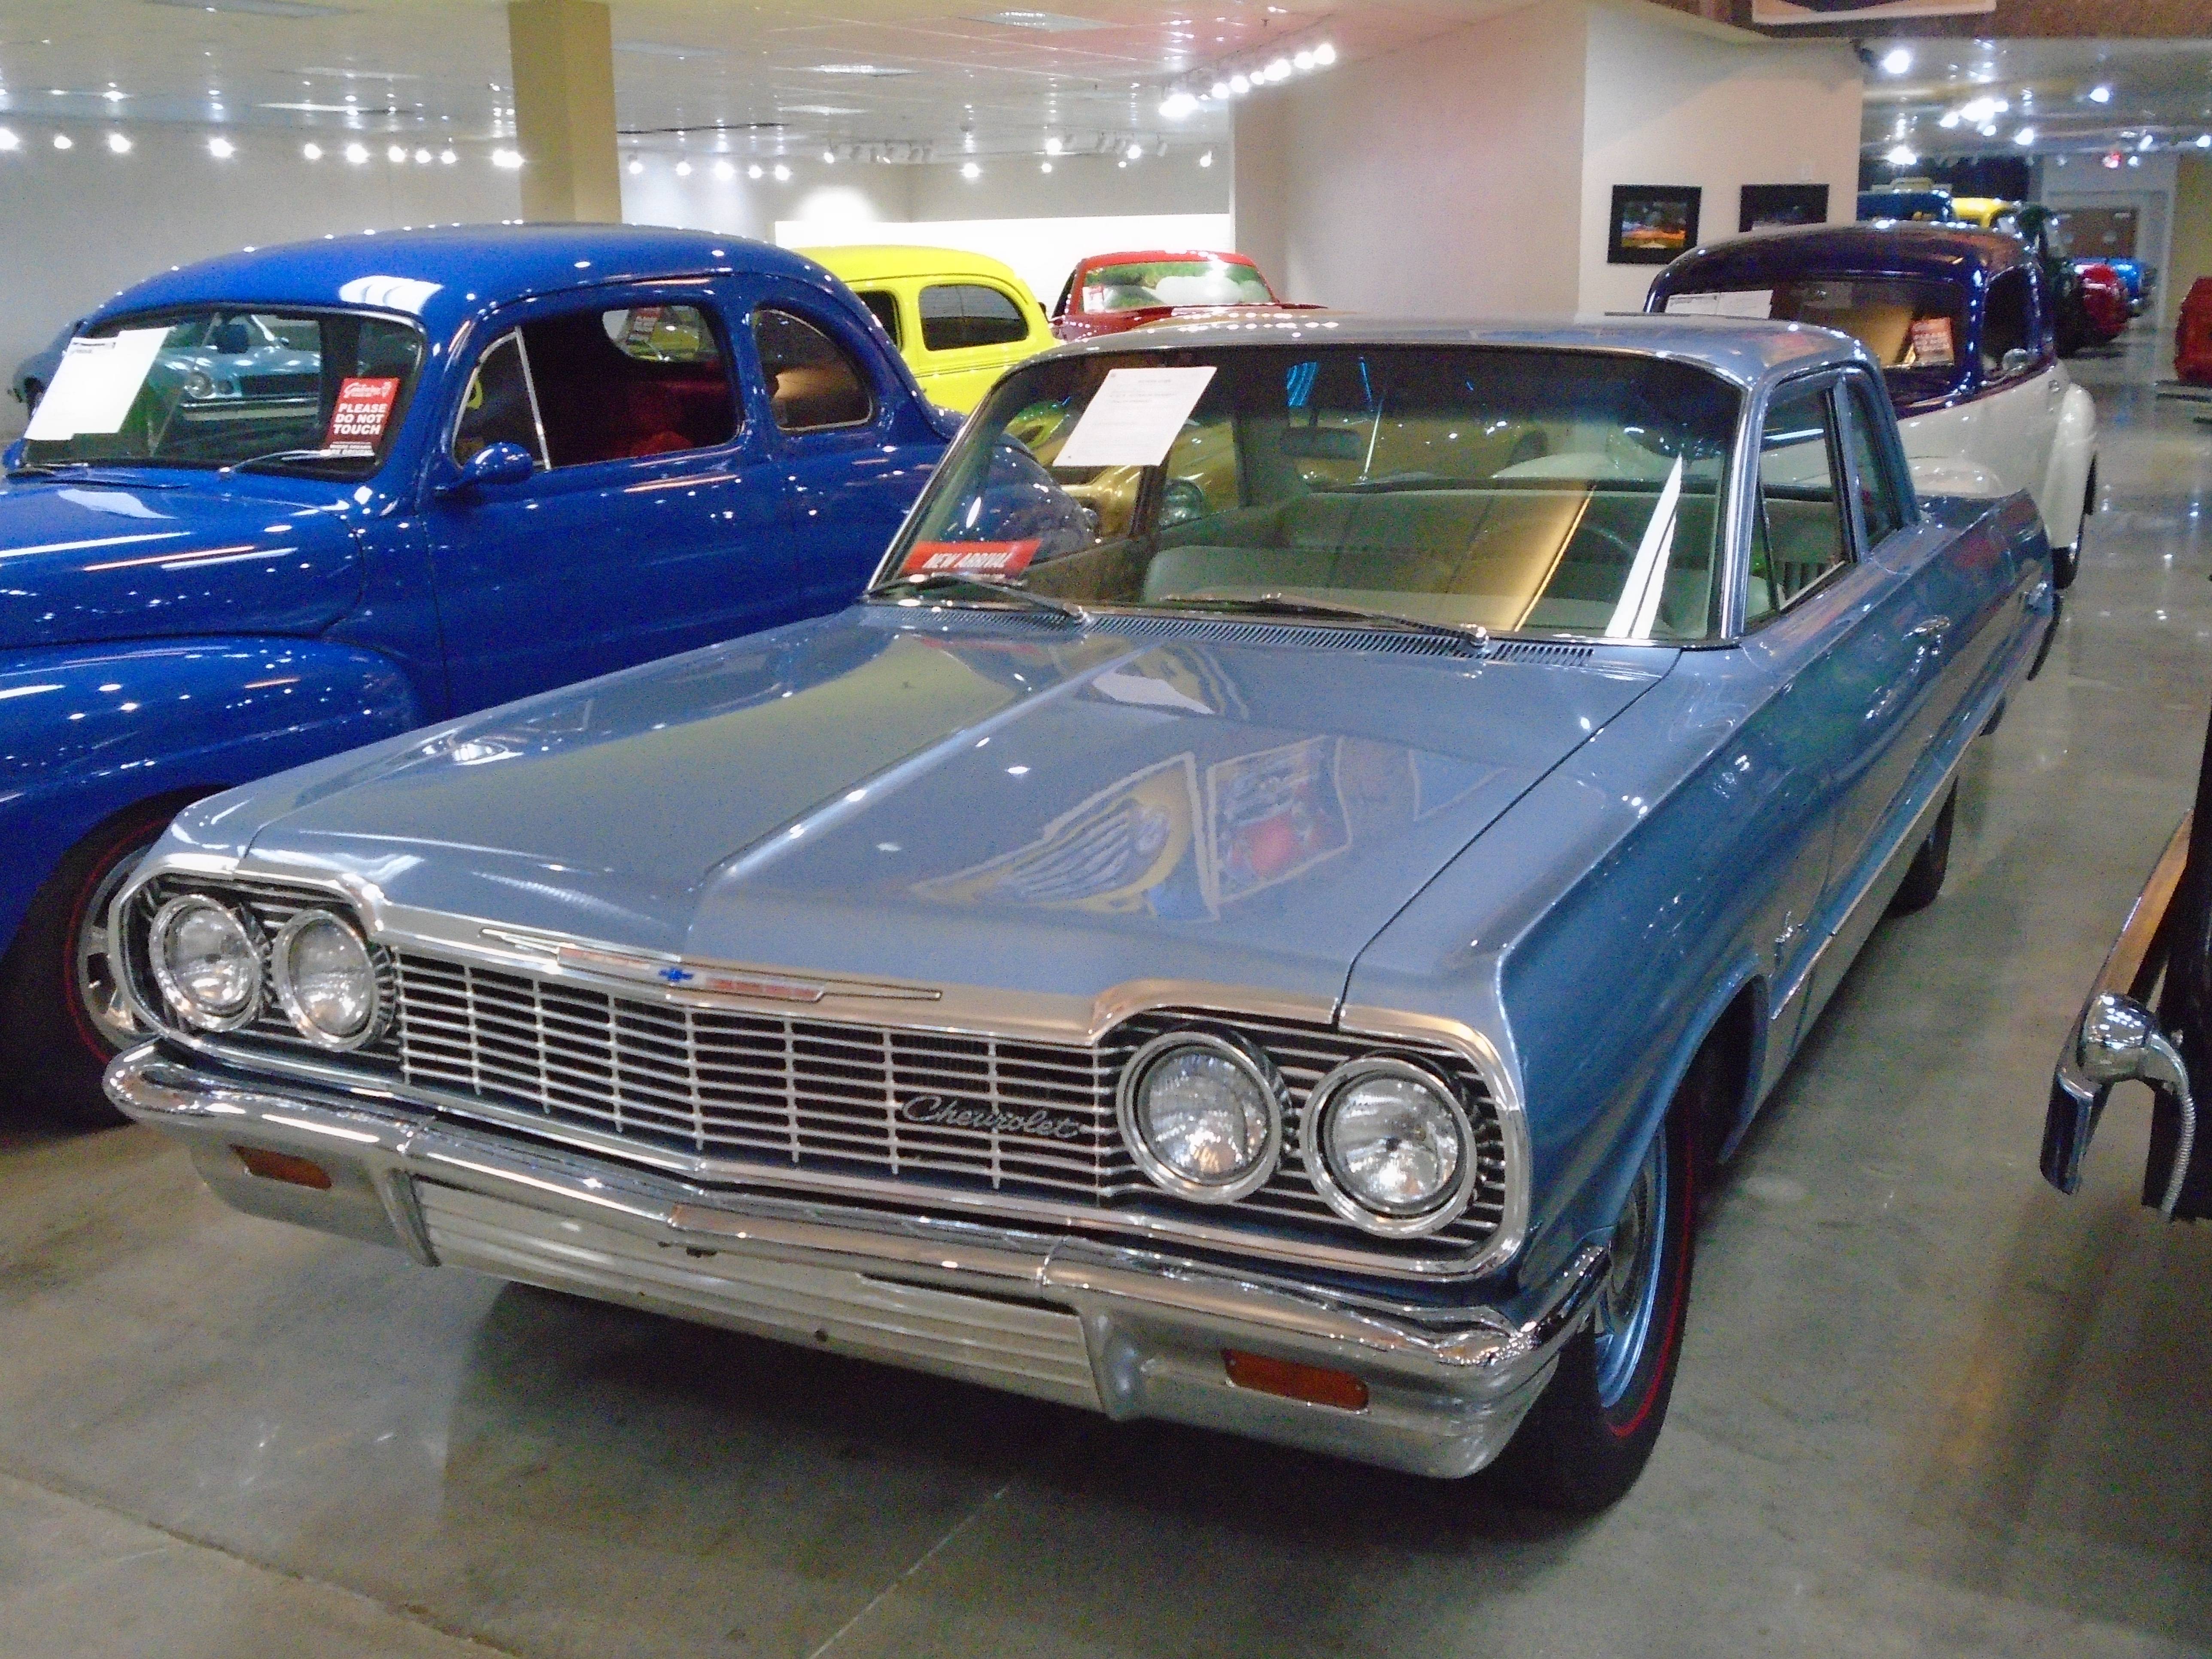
944,1112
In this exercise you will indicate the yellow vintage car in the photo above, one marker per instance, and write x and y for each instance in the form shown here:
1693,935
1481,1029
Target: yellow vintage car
1990,212
959,319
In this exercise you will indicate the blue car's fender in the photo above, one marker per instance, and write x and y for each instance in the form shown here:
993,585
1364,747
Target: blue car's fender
88,732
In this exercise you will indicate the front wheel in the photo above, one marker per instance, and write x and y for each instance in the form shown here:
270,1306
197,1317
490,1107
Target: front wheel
1586,1440
62,1013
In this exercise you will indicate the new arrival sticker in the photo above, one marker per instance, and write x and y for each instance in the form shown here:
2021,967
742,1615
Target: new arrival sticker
357,420
970,558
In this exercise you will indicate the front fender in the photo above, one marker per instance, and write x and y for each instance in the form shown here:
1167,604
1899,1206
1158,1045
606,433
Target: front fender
86,731
2074,452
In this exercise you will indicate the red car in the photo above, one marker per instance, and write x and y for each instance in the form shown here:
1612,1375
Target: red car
2104,299
2193,336
1107,293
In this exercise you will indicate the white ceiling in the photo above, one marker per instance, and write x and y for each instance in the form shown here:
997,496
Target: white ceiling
931,79
2160,90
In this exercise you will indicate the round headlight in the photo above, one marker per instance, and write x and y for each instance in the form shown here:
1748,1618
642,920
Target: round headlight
1203,1115
207,963
1387,1146
326,980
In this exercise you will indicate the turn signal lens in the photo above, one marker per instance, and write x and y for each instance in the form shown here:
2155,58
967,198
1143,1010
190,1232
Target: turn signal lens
1317,1385
283,1166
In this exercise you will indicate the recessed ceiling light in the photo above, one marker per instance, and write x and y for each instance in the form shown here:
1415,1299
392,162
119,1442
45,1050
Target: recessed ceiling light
782,174
1897,60
2101,95
255,7
62,141
636,166
356,154
969,170
119,144
222,149
684,169
754,171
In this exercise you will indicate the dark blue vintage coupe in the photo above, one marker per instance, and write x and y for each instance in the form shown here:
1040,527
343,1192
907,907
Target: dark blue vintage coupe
281,504
1320,837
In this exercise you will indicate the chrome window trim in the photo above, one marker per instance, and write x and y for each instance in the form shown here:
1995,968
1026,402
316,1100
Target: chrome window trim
979,1011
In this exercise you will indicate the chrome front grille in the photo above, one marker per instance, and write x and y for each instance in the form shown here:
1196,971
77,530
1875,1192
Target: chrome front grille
828,1097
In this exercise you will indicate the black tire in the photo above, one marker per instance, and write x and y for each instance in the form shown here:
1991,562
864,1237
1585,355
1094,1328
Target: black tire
1590,1434
1924,879
52,1049
2066,562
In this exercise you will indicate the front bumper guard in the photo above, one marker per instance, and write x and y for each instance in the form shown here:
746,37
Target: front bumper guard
1127,1333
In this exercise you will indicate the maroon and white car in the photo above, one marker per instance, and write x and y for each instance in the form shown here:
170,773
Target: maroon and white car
1107,293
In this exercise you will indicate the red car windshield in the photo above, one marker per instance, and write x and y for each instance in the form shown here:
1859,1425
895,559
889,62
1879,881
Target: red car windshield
1136,284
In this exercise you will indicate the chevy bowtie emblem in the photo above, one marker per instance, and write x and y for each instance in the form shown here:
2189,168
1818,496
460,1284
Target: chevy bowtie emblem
709,978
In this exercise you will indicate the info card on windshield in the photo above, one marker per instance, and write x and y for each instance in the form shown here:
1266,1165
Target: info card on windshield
94,385
1134,417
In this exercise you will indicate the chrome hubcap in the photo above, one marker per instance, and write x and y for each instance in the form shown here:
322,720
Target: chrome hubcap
98,984
1623,1317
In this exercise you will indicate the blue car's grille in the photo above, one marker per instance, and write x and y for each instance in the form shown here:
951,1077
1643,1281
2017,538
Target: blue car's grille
836,1098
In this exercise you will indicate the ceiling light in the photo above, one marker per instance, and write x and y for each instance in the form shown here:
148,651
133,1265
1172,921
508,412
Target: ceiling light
421,158
1219,89
1951,118
725,171
2203,141
1302,60
113,96
2135,160
969,170
1324,55
506,160
1206,160
1278,70
1044,167
829,158
9,140
2025,136
684,169
1900,155
1177,104
2101,95
222,149
62,141
1052,146
356,154
1135,152
636,166
395,154
1897,60
1238,86
1988,128
447,158
117,144
754,171
878,71
2148,141
782,174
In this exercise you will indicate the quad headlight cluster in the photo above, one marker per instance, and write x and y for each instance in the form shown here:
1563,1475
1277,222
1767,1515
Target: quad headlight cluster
216,970
1385,1141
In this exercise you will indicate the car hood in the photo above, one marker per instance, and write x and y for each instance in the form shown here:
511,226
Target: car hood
962,799
83,560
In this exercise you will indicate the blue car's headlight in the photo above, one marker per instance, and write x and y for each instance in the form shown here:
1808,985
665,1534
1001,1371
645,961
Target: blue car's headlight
1202,1116
1388,1144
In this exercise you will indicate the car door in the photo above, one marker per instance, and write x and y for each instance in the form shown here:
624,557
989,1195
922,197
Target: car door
652,523
829,405
2022,386
972,331
1841,631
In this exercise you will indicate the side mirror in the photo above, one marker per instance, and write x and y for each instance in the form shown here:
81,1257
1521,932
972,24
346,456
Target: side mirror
2121,1044
494,464
2017,362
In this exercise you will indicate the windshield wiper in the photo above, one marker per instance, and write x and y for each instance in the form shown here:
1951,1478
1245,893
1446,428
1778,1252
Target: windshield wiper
116,471
279,457
940,579
1285,604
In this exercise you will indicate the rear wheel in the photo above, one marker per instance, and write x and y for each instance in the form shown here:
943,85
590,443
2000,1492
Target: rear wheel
1586,1440
2066,562
1923,880
62,1013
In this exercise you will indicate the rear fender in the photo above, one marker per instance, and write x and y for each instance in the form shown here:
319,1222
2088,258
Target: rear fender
86,732
2066,489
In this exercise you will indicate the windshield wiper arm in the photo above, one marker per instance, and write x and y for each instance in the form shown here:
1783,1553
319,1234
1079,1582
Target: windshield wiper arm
938,579
1285,604
276,456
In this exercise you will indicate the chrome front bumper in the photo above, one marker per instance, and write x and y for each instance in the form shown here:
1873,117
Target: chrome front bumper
1127,1333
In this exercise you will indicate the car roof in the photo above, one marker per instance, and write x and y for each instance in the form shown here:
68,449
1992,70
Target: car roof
1143,255
443,273
872,262
1745,351
1952,252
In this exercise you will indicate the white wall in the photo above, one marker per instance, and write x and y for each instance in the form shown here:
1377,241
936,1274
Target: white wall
1441,180
77,225
739,206
1669,103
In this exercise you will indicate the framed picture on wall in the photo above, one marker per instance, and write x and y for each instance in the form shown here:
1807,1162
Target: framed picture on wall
1769,207
1779,14
1652,223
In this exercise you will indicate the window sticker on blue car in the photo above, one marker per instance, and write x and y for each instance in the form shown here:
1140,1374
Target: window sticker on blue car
95,384
357,419
1134,417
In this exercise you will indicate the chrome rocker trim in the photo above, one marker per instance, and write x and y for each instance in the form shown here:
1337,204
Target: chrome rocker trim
1127,1333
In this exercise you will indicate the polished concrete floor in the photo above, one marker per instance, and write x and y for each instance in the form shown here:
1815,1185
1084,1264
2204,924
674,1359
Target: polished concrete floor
1926,1406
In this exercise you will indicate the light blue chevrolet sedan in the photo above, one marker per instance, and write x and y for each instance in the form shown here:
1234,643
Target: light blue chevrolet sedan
1267,913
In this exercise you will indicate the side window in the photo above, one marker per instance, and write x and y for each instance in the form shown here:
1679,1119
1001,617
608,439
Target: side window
1880,507
631,382
2005,322
957,314
813,381
884,306
1798,533
498,407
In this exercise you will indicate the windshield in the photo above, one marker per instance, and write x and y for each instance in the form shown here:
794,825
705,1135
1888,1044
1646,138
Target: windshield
1916,330
1195,282
1523,490
320,392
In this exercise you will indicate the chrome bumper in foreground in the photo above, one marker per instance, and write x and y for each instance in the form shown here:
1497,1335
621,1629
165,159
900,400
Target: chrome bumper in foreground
1127,1333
